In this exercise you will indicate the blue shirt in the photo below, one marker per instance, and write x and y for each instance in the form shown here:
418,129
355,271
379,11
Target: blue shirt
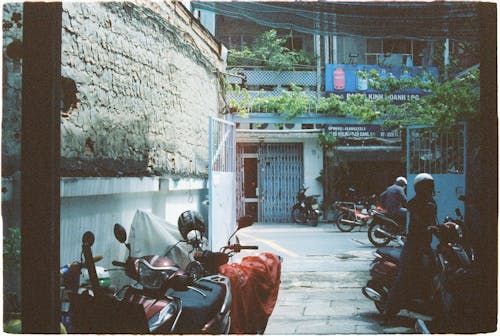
393,199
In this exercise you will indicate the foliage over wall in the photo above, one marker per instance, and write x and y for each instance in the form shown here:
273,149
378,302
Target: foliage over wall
446,103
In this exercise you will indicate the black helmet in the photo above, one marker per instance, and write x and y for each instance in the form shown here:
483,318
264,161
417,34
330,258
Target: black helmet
190,220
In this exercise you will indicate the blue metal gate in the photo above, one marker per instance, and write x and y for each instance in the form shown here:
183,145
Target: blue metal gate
280,176
443,156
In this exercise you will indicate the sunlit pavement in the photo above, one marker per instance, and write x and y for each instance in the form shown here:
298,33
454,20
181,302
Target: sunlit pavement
323,271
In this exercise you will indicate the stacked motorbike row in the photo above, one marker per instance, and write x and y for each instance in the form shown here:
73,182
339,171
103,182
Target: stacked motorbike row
446,287
367,212
210,295
364,212
444,291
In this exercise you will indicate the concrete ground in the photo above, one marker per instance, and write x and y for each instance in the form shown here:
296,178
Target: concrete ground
321,281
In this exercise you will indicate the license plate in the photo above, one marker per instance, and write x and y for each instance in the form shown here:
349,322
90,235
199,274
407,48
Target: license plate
315,206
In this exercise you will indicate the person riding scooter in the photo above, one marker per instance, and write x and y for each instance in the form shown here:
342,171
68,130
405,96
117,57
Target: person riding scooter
423,215
393,200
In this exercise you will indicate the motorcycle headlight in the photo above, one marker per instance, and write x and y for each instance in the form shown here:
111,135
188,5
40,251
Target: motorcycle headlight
160,318
153,278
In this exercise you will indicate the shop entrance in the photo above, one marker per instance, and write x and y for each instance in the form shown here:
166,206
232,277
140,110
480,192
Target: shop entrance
367,176
268,178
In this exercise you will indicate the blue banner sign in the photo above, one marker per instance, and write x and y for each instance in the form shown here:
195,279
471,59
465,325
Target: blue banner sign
362,131
344,79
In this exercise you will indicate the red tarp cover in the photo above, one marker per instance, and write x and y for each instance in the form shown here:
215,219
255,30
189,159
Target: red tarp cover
255,284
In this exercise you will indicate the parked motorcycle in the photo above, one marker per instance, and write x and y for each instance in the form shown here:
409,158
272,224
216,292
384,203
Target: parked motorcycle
254,280
74,278
353,214
449,267
164,299
382,229
306,209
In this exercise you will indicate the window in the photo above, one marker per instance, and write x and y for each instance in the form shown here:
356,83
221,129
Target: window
396,52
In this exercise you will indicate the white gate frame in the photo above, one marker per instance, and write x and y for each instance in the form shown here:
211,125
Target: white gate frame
221,182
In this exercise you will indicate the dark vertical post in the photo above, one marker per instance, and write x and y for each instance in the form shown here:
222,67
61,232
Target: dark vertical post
488,158
40,167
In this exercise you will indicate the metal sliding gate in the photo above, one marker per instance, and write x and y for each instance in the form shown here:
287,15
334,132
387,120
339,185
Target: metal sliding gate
221,182
444,157
280,174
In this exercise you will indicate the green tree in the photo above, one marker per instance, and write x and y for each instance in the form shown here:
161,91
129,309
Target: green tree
268,50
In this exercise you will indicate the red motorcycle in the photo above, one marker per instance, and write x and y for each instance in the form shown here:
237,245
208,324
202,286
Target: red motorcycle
351,214
165,299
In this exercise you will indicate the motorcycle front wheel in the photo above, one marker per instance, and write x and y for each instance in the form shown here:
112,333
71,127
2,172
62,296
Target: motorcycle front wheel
345,227
376,238
299,215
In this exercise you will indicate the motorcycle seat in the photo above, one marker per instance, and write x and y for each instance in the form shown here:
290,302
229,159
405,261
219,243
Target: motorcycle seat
197,308
392,254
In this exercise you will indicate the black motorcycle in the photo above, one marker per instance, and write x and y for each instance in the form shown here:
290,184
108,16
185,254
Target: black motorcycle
447,270
306,209
382,229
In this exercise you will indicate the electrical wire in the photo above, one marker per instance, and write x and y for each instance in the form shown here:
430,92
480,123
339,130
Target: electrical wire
426,21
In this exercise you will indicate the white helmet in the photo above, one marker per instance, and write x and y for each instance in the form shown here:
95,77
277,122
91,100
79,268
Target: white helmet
401,181
421,178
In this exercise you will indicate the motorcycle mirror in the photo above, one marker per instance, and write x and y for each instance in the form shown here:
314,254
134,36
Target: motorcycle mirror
245,221
88,238
120,233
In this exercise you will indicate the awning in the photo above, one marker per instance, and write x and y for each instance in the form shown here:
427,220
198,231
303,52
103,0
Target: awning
367,153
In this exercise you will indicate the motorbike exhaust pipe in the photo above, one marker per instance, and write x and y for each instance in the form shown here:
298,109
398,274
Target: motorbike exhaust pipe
385,233
350,222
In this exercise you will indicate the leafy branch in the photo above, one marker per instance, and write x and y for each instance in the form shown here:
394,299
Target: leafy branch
268,50
446,103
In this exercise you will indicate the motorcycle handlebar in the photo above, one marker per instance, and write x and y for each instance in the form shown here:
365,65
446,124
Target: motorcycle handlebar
249,247
238,247
119,264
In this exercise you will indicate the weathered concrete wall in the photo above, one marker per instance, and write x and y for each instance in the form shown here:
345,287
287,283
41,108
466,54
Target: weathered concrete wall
11,93
140,80
145,87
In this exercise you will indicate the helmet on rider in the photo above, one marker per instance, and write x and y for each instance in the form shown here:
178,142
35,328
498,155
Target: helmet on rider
190,220
424,183
401,181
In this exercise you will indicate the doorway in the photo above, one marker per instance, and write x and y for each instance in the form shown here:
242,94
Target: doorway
269,176
250,185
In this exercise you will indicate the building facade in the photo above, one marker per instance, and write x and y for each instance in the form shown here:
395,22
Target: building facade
366,156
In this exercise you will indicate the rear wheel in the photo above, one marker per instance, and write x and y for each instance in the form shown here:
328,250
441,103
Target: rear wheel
343,226
378,239
299,215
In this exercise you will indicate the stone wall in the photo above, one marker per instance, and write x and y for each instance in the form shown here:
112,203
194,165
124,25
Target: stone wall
11,93
140,80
